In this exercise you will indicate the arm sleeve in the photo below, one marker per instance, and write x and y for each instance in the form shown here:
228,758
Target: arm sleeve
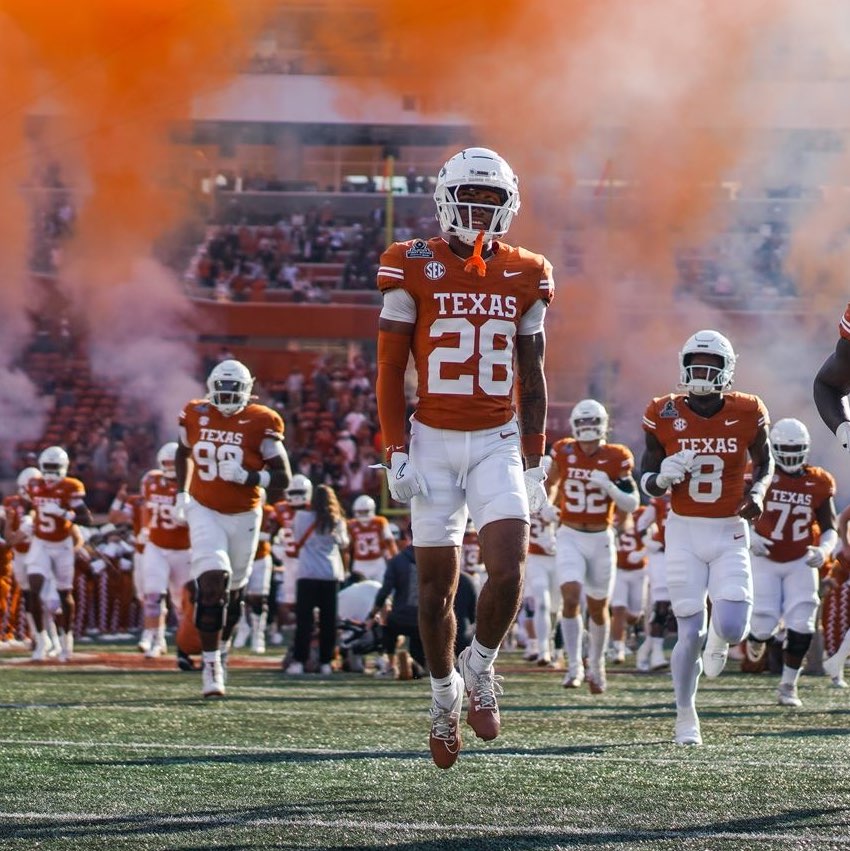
532,320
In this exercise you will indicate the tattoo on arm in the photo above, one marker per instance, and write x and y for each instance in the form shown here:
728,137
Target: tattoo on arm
533,396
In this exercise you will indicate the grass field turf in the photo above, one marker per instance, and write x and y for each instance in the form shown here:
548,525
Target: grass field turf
96,757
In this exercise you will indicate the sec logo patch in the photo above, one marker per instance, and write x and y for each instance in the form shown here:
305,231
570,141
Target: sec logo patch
680,424
434,270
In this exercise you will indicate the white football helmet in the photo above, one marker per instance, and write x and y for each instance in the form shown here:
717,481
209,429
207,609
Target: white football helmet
229,385
300,491
165,459
395,529
363,507
719,378
589,420
53,463
789,441
25,477
475,167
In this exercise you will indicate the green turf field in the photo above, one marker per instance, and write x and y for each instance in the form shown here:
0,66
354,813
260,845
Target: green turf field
98,758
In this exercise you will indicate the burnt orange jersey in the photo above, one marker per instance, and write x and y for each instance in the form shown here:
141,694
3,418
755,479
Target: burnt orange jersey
267,528
212,437
285,516
159,492
844,325
579,501
466,326
16,508
541,536
629,541
369,538
789,512
67,493
715,487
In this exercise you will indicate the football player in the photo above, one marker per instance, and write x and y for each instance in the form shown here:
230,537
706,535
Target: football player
166,558
470,308
787,555
837,605
372,542
698,444
234,447
629,594
591,480
59,503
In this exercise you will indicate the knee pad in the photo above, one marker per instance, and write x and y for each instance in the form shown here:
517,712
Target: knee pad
258,607
528,607
209,617
234,610
660,614
154,605
797,643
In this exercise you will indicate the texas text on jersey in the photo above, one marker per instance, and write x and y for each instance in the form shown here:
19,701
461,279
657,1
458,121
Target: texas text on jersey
716,485
214,437
466,326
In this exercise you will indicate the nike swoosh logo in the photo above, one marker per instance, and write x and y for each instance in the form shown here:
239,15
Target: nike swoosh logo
400,473
504,434
510,274
243,422
738,537
809,484
729,422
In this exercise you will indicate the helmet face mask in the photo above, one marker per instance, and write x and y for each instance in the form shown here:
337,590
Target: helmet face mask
702,376
300,491
230,384
363,507
789,443
53,464
165,459
589,421
462,215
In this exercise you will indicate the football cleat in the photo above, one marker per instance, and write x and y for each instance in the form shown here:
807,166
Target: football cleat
66,647
786,695
213,680
687,731
295,668
41,647
444,739
643,654
325,669
243,633
617,653
838,682
145,641
657,659
157,649
597,682
573,678
481,688
833,666
185,661
714,655
544,661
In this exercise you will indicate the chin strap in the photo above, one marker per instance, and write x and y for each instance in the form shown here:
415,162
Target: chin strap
476,262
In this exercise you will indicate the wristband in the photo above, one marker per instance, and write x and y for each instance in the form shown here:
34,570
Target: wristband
533,444
397,448
258,478
758,491
644,483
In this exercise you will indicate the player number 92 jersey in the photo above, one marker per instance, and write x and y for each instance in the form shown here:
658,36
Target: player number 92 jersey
466,325
715,486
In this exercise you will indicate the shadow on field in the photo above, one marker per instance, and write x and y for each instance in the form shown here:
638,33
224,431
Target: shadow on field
302,757
330,814
799,733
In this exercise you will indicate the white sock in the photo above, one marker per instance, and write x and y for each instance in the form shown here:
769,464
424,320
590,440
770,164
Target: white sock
790,676
211,656
656,643
598,641
531,645
844,650
481,658
443,689
571,630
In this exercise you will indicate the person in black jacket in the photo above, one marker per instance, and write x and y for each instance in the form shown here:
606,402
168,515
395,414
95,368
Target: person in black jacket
402,584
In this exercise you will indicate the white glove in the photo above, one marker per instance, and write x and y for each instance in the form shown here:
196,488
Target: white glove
52,509
653,546
537,496
815,557
601,480
548,513
232,471
674,468
181,503
97,566
636,556
759,545
403,479
843,435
